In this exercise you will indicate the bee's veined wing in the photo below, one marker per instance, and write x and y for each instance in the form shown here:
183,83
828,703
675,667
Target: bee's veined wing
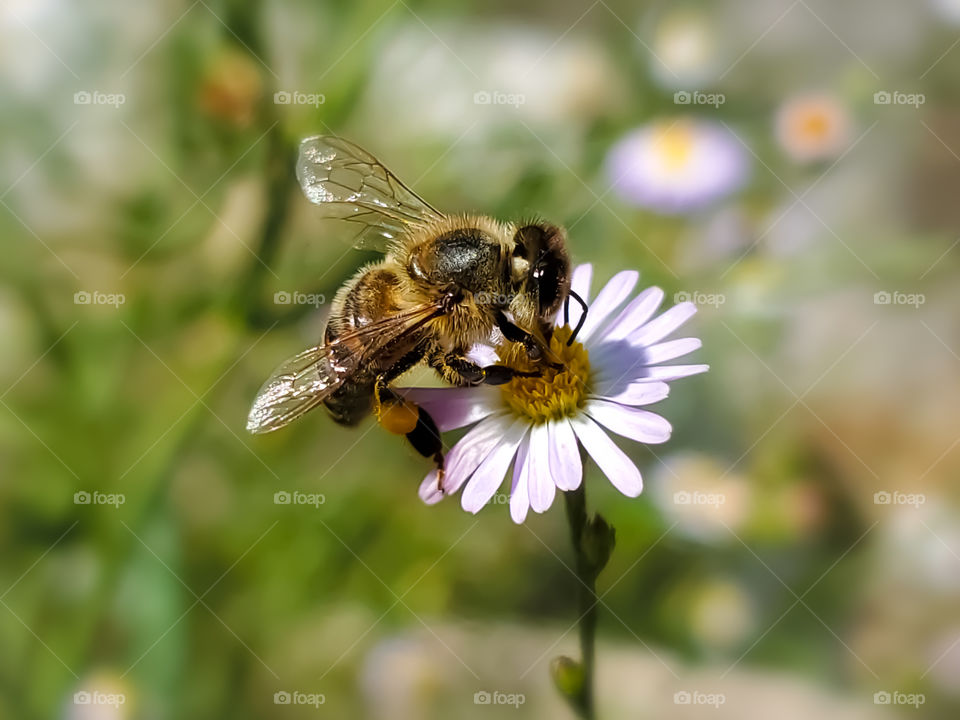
304,381
350,183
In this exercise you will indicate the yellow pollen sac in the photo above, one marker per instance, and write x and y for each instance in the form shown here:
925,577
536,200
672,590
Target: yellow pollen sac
552,393
398,418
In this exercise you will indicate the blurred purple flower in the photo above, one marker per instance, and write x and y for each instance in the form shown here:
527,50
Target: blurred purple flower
538,423
674,167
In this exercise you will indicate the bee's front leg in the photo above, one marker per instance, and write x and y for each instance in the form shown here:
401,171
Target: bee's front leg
457,369
515,333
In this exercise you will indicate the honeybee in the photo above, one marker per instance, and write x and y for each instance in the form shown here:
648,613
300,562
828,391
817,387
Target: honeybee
445,283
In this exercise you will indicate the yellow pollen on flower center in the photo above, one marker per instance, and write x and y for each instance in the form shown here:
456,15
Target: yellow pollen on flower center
552,393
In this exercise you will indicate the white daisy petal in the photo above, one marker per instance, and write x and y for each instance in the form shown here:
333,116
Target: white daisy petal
519,499
580,284
640,425
611,460
635,314
612,296
472,449
663,325
675,372
633,393
540,484
565,463
489,476
430,491
453,408
671,350
482,355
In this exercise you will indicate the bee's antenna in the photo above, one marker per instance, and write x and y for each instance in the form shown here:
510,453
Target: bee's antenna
566,315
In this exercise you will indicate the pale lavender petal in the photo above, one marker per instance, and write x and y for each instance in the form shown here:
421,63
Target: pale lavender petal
634,393
540,484
565,464
519,499
453,408
482,355
580,284
611,460
671,350
675,372
640,425
472,449
663,325
430,491
489,476
612,296
634,315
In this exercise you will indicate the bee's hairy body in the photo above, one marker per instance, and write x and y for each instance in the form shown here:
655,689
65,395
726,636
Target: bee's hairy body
470,255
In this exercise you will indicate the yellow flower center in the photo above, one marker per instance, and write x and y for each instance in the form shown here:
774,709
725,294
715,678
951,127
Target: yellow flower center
553,392
674,145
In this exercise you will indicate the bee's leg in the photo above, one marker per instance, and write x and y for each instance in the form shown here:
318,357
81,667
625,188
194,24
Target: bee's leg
515,333
402,417
456,368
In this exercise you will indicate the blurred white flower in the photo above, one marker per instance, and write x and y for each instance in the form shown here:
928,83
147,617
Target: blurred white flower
704,498
813,127
685,49
677,165
948,10
721,614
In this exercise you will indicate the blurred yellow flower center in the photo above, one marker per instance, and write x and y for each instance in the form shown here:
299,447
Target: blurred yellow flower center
553,392
816,125
675,146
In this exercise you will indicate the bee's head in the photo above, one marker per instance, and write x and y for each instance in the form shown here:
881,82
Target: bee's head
541,248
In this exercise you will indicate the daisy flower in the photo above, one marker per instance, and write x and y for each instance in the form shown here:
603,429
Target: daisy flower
813,127
674,166
538,423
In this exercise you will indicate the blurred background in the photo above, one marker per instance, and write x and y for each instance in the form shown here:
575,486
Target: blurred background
792,167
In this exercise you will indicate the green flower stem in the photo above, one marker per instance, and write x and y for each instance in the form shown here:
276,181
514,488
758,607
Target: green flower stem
593,540
576,505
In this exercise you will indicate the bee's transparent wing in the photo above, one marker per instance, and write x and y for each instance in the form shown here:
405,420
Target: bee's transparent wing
308,378
350,183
